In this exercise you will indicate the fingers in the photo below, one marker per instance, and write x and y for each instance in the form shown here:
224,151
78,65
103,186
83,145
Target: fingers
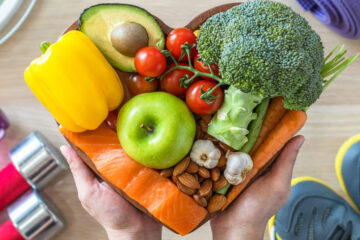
283,167
281,173
83,177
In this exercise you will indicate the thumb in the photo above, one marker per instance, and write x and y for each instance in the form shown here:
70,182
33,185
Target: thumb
281,172
83,177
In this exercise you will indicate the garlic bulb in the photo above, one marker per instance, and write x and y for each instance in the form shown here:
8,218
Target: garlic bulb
205,154
238,166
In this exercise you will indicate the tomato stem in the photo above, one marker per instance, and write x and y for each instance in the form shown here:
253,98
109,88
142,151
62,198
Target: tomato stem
185,81
207,96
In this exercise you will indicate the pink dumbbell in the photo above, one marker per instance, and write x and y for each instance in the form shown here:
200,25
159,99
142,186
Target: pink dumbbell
31,217
35,163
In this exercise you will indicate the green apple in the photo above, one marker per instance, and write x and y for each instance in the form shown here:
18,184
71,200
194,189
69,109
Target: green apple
156,129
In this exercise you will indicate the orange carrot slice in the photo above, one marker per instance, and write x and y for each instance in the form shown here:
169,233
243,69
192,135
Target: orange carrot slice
288,126
144,185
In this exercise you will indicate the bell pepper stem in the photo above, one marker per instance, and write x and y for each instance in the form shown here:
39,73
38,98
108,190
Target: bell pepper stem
44,46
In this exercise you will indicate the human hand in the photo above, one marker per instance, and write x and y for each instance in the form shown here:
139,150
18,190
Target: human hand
247,216
118,217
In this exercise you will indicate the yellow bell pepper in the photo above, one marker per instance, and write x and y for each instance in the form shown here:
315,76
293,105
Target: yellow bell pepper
74,81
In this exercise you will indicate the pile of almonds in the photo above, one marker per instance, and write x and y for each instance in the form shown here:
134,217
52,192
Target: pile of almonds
199,182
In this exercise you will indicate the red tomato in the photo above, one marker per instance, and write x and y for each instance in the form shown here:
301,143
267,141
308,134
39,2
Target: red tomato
171,83
150,62
111,119
179,37
137,84
198,105
205,69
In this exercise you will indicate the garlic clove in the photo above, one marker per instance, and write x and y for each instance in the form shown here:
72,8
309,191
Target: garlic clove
238,166
205,154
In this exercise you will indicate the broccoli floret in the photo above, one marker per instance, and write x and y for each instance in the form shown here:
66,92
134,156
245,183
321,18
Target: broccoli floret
266,49
263,50
212,34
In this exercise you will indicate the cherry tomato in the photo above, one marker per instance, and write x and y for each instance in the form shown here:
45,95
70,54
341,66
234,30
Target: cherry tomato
198,105
137,84
171,83
200,66
111,119
177,38
150,62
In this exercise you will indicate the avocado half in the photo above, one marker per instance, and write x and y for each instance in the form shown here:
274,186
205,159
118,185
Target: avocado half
98,22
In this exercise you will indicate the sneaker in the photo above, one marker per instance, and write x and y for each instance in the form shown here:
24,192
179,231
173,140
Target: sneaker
347,166
314,212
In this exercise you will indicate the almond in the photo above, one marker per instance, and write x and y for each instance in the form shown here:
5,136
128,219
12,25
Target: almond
201,179
175,180
206,118
189,180
227,154
207,197
222,161
199,133
216,203
192,168
185,189
203,172
205,188
215,174
200,200
224,146
196,177
211,138
221,183
166,173
203,125
181,166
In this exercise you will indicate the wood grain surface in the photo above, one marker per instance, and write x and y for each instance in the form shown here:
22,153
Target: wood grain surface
333,119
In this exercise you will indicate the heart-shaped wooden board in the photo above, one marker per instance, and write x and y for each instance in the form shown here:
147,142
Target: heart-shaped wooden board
193,25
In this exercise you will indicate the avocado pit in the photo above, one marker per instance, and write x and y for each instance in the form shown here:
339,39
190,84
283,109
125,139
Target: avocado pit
129,37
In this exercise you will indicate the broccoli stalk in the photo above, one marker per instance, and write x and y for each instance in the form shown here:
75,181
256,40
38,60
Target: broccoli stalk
229,125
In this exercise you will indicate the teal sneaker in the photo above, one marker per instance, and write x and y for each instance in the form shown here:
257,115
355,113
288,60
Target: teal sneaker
314,212
347,166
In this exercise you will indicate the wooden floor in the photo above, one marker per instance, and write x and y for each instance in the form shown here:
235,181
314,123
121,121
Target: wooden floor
333,119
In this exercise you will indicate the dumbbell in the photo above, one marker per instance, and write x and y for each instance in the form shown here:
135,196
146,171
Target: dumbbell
31,217
35,163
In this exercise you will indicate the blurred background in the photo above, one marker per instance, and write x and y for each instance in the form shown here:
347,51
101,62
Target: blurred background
333,119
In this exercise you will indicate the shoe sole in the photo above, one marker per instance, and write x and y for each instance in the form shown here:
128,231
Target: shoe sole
338,166
271,223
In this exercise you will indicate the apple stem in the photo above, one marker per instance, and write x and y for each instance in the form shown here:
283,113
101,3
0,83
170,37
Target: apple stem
149,130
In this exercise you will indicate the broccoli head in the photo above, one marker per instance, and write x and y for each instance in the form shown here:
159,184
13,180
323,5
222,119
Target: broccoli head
265,49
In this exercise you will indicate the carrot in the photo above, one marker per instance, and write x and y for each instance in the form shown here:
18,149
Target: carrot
273,115
288,126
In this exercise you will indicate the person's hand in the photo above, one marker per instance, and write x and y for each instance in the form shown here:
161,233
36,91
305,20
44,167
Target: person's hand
118,217
247,216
